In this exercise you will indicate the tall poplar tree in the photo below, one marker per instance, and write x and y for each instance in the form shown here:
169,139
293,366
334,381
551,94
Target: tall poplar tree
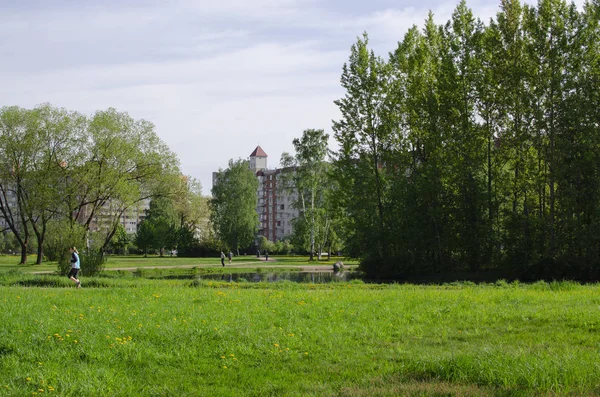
365,134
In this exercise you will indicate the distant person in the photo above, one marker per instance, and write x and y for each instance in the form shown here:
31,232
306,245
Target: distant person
230,256
258,253
222,259
266,256
75,266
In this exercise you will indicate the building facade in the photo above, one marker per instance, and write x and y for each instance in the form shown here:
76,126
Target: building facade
275,206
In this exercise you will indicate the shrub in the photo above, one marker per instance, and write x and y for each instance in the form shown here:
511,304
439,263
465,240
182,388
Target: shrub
92,263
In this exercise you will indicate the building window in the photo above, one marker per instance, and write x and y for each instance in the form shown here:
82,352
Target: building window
278,223
282,207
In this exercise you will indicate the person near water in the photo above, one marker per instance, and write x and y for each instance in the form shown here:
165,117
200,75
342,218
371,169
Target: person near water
230,256
75,266
222,259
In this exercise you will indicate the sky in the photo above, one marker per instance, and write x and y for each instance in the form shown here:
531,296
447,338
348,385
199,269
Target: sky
217,78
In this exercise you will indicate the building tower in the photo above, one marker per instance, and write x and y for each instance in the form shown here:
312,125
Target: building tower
258,160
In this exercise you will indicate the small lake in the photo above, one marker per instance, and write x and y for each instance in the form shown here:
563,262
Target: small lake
298,277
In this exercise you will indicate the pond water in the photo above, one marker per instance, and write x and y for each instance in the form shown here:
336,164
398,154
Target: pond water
299,277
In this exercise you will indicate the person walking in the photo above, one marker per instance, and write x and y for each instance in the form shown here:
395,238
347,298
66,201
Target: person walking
230,256
222,259
75,266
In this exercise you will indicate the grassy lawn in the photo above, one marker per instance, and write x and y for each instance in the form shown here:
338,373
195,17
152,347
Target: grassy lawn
132,262
131,336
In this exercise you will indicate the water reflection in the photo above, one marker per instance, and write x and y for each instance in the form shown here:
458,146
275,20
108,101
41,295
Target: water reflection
299,277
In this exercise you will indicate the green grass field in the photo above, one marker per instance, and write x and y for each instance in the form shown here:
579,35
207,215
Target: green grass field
132,336
132,262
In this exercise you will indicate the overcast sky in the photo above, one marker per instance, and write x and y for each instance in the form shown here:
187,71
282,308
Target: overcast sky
216,77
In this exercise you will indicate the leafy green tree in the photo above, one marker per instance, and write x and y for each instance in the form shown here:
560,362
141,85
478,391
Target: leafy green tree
475,146
125,164
120,240
418,192
144,237
306,174
365,133
233,206
53,131
464,151
16,151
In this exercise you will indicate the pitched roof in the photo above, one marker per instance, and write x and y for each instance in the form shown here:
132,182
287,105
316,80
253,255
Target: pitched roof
258,152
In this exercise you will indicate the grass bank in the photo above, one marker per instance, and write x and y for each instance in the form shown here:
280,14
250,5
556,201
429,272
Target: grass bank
127,337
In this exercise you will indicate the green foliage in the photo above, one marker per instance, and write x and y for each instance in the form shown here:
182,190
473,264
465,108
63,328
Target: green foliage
145,235
8,242
307,174
233,206
191,247
120,241
58,165
91,261
475,147
60,237
265,245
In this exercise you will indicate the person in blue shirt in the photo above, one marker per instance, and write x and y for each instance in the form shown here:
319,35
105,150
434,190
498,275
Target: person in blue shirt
75,266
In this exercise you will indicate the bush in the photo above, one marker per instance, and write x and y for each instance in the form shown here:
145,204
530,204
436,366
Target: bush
92,263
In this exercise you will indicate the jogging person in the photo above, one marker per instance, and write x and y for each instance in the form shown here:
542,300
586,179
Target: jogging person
75,266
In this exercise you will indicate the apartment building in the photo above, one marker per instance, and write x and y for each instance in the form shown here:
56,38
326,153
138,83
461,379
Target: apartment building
130,218
275,206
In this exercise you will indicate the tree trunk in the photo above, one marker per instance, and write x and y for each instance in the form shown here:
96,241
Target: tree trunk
23,253
40,253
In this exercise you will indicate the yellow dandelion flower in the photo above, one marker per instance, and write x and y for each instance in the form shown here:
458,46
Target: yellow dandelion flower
231,355
276,344
75,341
28,379
225,366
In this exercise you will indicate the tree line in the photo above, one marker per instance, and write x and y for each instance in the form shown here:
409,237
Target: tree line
68,179
476,146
